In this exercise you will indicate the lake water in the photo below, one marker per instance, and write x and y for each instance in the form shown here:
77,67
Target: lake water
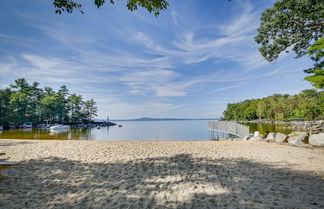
175,130
164,130
265,128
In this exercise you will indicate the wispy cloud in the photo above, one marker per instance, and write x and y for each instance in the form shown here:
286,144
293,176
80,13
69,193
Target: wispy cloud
134,64
8,66
122,110
244,21
161,82
225,88
233,42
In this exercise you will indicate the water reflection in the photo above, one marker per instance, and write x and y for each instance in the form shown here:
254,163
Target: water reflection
186,130
72,134
265,128
130,130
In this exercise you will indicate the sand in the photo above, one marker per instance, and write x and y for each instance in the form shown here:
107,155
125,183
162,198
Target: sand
106,174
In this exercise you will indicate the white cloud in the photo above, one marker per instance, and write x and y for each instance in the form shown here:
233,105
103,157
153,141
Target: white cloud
244,21
164,92
232,42
160,82
50,66
7,67
117,109
225,88
177,19
156,59
4,35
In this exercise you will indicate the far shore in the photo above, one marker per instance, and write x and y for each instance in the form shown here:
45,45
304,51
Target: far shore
160,174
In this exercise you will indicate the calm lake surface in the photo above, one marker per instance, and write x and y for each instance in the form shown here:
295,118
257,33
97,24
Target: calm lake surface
265,128
172,130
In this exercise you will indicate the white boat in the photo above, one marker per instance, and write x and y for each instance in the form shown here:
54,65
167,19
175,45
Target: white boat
28,125
59,128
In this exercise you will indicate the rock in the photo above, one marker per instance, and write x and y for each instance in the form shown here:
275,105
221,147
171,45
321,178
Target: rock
281,137
256,134
246,138
315,127
259,137
271,136
296,133
316,139
299,139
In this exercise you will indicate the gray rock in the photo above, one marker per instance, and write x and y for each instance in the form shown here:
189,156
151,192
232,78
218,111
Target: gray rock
246,138
256,134
281,137
259,137
299,139
316,139
295,133
271,136
315,127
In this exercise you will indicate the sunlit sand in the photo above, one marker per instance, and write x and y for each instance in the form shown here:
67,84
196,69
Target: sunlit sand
106,174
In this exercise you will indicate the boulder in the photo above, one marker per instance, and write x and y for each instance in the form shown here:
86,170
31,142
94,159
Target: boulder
271,136
316,139
246,138
299,139
296,133
315,127
281,137
259,137
256,134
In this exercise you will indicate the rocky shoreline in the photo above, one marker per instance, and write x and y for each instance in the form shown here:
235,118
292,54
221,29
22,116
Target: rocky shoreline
295,138
310,127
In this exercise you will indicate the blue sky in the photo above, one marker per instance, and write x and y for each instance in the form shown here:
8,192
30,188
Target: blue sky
191,61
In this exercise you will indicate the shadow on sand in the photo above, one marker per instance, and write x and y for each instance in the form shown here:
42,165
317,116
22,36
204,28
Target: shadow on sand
180,181
14,143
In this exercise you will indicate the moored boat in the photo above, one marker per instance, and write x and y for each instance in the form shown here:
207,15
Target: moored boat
28,125
59,128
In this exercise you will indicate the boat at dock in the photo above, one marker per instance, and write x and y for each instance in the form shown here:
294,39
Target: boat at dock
58,128
28,125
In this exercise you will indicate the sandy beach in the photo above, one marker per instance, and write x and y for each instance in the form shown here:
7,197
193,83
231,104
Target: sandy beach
111,174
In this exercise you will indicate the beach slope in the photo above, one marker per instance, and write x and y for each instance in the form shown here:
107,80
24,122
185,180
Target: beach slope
112,174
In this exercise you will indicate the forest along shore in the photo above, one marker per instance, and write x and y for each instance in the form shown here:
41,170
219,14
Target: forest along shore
308,105
112,174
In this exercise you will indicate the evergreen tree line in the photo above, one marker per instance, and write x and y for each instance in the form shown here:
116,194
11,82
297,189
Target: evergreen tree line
22,102
307,105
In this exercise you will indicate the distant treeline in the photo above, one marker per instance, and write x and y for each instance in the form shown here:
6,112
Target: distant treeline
307,105
22,102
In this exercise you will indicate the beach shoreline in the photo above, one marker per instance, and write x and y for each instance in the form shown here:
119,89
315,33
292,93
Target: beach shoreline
160,174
